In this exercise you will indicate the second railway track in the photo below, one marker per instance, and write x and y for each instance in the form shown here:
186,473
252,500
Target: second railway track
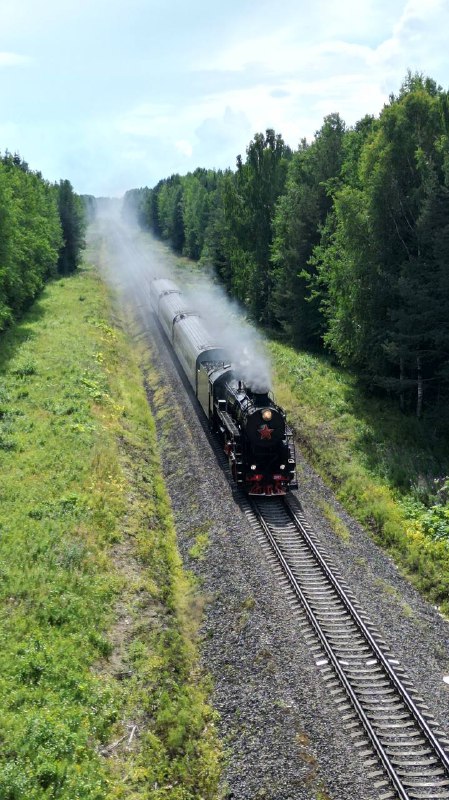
407,753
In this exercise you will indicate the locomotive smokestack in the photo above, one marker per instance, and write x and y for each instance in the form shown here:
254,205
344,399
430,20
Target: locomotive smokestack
261,398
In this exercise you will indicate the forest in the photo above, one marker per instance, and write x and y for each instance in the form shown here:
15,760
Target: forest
341,245
41,234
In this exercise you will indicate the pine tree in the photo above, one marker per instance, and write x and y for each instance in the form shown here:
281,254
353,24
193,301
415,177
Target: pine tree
72,216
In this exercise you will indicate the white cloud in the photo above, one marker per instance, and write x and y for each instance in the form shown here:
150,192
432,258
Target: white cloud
290,77
242,52
13,60
418,39
319,28
184,147
146,119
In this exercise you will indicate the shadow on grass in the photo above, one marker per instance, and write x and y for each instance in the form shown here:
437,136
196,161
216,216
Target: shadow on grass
410,454
22,330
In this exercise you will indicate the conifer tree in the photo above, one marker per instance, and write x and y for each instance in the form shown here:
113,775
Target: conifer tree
300,214
72,216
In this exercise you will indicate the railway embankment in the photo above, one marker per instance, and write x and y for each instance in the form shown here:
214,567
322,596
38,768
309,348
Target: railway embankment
388,470
101,695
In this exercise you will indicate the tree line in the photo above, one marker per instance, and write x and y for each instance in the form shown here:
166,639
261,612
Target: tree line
41,234
342,244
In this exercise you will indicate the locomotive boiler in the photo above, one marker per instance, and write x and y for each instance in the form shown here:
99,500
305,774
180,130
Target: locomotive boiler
251,427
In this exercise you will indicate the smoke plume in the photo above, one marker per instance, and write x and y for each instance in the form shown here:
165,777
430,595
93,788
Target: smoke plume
134,258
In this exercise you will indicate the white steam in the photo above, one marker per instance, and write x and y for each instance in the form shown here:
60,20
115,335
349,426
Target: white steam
132,259
226,322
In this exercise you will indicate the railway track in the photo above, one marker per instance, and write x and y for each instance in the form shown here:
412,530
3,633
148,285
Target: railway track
404,749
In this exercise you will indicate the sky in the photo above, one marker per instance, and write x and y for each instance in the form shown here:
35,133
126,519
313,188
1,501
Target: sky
117,94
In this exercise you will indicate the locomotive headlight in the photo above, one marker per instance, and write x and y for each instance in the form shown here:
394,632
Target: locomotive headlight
266,415
281,466
253,466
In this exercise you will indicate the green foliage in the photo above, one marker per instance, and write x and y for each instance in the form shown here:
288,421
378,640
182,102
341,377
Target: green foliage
249,206
344,264
41,233
225,219
30,236
201,542
168,212
382,272
73,223
432,519
300,215
197,194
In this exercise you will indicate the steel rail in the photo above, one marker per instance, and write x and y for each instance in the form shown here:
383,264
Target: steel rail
383,660
327,647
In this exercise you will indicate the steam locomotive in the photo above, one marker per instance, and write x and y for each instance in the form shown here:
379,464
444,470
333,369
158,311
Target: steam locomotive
252,428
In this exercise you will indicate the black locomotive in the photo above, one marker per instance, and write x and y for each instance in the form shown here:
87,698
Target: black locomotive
252,428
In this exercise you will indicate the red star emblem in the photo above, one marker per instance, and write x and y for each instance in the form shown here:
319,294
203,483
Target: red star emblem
265,432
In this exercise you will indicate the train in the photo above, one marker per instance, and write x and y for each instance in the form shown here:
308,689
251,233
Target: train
252,429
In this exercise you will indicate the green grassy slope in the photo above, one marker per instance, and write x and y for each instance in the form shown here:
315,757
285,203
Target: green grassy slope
100,692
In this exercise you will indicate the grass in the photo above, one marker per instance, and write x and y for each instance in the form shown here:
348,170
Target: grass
334,520
201,542
101,696
388,470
